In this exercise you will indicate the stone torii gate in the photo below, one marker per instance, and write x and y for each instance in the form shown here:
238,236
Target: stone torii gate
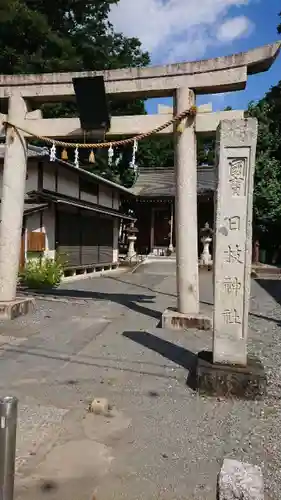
22,94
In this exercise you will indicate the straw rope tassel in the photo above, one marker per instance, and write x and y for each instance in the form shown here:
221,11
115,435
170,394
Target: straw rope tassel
92,158
64,155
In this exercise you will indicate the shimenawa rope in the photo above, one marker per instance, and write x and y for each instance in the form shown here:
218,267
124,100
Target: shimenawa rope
178,118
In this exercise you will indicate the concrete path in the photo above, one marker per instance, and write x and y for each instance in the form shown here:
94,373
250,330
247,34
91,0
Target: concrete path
100,338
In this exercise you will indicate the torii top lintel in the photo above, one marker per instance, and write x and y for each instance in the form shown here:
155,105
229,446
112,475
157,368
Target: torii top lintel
221,74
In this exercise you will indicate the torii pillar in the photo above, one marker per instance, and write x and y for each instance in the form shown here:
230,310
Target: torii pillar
187,314
186,206
12,208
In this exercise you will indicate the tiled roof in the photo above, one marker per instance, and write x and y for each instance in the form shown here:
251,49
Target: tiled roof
33,151
156,182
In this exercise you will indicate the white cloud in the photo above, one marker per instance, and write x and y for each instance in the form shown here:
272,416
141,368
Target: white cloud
234,28
175,30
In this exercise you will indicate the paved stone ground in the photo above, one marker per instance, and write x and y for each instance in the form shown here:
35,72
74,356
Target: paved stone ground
100,338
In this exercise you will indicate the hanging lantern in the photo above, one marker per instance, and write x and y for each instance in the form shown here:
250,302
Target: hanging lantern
92,158
53,152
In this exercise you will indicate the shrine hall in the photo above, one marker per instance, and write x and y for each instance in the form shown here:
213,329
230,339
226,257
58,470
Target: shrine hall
153,206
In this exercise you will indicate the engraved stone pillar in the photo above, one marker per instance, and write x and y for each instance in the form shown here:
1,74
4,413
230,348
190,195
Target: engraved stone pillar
233,239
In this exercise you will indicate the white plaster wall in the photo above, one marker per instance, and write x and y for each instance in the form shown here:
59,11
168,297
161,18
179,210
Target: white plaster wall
33,222
32,177
49,176
68,183
88,197
116,224
31,181
116,200
49,229
105,196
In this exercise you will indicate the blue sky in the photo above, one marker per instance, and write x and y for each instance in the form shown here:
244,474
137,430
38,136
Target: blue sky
187,30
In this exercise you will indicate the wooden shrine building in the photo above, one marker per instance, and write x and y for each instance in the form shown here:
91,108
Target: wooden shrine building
154,206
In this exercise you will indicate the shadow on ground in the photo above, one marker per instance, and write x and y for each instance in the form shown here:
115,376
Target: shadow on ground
272,287
131,301
171,352
108,363
177,354
159,292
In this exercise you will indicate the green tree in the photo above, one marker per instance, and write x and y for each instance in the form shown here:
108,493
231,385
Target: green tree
267,190
37,36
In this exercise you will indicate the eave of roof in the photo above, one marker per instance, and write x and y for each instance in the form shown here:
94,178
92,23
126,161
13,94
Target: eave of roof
37,152
68,200
31,208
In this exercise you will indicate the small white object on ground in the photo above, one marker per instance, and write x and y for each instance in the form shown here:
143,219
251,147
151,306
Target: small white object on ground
100,406
240,481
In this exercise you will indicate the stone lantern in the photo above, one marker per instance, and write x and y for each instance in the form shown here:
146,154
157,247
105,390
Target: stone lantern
206,234
132,231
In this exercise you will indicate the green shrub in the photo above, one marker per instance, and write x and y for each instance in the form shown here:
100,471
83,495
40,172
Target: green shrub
42,273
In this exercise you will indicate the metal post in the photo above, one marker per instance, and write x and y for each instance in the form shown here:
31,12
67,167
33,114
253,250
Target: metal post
8,431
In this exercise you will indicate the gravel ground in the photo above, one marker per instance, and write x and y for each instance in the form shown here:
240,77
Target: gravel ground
164,441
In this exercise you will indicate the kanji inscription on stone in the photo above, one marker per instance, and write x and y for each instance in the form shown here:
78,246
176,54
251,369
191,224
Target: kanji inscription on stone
233,254
237,176
233,223
232,285
231,317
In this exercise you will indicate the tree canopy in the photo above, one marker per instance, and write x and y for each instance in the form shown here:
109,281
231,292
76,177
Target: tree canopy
37,36
267,191
67,35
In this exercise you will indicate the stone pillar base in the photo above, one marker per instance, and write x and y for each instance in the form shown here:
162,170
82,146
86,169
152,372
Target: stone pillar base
174,320
242,382
15,308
